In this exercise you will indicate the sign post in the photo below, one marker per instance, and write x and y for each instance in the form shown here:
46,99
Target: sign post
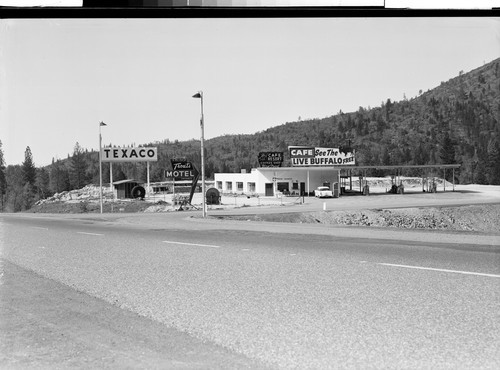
100,164
129,154
147,171
199,95
173,189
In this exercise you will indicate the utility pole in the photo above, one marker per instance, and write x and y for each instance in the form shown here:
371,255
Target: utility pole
100,164
199,94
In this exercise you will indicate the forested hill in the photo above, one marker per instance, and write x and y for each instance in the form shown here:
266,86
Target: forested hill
456,122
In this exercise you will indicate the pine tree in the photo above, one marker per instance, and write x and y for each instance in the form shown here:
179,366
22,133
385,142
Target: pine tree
447,151
78,178
42,183
15,184
59,178
29,169
385,157
493,165
29,179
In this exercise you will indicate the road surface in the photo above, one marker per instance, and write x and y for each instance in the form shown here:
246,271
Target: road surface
250,295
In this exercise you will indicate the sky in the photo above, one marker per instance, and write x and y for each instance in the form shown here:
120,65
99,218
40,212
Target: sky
60,77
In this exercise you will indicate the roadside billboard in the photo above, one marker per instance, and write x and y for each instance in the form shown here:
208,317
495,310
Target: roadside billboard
270,159
307,156
140,154
182,170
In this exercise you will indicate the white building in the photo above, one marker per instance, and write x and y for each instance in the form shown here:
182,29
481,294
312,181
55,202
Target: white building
270,181
312,167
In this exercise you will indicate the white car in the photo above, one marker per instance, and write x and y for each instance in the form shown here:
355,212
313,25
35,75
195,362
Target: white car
323,192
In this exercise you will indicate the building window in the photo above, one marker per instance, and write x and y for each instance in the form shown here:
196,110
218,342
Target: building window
239,186
229,186
251,187
219,185
295,186
282,186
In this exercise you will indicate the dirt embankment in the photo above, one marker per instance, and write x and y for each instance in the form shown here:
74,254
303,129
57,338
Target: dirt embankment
481,218
478,218
90,207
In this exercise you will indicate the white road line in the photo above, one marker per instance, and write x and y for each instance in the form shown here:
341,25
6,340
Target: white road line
84,233
440,270
192,244
40,228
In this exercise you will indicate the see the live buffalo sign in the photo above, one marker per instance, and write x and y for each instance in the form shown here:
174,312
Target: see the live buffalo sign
129,154
312,156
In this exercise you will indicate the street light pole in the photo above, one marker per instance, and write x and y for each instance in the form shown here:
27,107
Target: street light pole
100,164
199,94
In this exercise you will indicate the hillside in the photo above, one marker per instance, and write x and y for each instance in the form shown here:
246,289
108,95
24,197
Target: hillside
455,122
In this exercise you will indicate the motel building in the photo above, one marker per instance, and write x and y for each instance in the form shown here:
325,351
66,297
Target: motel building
311,167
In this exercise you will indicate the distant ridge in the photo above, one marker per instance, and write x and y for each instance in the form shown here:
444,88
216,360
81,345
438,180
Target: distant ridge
461,116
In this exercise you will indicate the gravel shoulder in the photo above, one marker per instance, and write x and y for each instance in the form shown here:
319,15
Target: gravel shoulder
479,218
472,208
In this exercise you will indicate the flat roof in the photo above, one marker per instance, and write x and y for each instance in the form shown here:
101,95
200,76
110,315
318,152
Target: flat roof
322,168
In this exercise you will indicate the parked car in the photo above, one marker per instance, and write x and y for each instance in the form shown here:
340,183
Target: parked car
323,192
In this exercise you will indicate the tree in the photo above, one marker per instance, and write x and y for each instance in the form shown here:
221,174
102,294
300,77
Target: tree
421,155
42,183
447,151
59,177
29,180
385,158
78,178
29,169
493,166
14,197
388,107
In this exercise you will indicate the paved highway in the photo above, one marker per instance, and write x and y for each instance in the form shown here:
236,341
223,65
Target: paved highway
277,295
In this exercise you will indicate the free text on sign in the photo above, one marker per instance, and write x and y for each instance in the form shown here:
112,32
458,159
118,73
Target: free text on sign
270,159
311,156
147,154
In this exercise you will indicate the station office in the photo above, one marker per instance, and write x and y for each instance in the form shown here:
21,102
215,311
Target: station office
311,167
269,181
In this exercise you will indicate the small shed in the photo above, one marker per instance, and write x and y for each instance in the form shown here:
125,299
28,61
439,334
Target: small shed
124,188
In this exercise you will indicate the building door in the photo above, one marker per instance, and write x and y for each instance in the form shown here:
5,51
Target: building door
269,189
302,188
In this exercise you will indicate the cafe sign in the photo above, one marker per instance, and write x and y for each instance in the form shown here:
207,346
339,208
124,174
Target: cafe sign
270,159
308,156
